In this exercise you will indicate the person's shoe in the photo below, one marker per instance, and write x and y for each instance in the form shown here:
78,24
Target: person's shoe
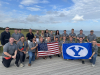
29,64
58,55
27,57
50,57
93,65
16,65
21,65
83,62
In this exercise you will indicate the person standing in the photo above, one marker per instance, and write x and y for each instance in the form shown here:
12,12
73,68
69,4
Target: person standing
29,36
20,34
80,35
32,50
37,36
22,49
62,42
16,36
51,36
56,40
65,34
9,53
5,36
71,40
48,41
91,36
42,35
81,41
46,34
72,34
57,35
94,53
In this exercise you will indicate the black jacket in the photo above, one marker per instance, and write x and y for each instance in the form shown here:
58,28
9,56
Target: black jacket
5,37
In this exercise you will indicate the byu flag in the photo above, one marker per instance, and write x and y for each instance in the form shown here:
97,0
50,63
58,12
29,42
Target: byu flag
77,51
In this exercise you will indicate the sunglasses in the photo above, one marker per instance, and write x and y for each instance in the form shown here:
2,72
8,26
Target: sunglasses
7,29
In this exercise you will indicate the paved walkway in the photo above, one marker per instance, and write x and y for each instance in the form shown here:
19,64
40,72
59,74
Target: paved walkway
54,66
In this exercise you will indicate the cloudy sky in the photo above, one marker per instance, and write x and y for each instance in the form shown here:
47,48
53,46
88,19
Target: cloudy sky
50,14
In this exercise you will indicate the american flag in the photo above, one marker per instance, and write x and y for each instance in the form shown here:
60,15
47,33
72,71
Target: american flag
47,49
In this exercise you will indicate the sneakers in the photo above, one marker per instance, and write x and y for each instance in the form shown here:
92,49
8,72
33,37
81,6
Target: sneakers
29,64
83,62
21,65
16,65
93,65
58,55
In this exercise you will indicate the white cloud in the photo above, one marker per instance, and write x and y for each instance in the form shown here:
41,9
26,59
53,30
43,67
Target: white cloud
21,6
33,8
78,18
29,2
95,20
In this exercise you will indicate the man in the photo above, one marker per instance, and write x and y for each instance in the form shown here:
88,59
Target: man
41,41
62,42
81,41
80,35
37,36
72,34
29,35
51,36
94,53
91,36
5,36
65,34
20,34
48,41
9,53
46,34
16,36
56,40
32,50
71,40
22,49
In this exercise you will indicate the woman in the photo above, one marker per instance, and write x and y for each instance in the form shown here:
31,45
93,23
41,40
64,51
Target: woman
57,35
42,34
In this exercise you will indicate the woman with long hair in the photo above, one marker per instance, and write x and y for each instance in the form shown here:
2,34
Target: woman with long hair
57,35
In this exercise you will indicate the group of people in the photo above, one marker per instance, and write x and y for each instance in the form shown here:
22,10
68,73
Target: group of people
16,47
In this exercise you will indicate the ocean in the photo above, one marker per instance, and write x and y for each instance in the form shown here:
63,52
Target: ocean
97,33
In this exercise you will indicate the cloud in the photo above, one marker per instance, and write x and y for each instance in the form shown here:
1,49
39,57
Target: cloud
21,6
95,20
33,8
32,18
30,2
78,18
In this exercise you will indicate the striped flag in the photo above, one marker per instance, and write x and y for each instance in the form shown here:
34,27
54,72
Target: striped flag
47,49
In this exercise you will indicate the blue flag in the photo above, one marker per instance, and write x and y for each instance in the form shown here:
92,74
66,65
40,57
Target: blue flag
77,51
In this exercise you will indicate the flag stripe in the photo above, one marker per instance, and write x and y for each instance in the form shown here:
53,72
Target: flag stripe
53,48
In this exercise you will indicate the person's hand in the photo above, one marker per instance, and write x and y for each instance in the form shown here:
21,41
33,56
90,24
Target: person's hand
36,45
90,58
59,52
24,52
14,57
37,55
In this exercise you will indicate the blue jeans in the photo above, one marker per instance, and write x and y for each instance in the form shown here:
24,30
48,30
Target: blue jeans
93,60
31,56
